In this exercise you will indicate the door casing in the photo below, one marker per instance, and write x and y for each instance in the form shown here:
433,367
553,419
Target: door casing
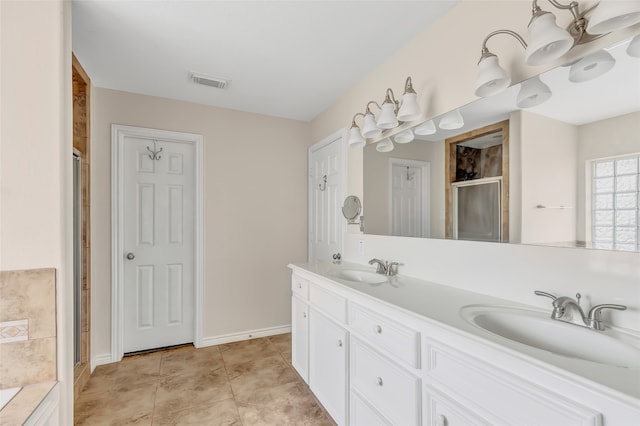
118,135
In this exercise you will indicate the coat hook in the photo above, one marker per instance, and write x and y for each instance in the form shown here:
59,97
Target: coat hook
155,153
323,185
409,176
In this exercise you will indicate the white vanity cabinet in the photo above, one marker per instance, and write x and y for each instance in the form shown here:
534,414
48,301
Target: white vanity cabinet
300,326
320,343
328,364
371,363
462,390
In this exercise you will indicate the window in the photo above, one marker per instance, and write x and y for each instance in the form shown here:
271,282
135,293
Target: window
615,203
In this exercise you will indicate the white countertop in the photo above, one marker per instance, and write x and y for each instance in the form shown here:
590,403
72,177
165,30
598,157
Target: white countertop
442,304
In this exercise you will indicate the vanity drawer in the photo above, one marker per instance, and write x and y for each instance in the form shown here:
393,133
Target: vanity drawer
300,286
442,411
500,396
362,414
330,303
395,338
388,387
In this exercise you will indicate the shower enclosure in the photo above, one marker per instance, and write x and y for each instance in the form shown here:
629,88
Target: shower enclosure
77,259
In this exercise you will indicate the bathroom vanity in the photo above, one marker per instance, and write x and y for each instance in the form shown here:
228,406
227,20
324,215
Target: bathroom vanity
378,350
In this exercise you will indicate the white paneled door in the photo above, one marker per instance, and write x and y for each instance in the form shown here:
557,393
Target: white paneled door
409,193
326,163
158,242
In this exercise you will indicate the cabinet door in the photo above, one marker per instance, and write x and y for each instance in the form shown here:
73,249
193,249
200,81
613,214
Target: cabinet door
328,364
300,337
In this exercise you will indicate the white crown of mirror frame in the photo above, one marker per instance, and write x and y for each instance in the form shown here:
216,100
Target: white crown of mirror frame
616,93
548,42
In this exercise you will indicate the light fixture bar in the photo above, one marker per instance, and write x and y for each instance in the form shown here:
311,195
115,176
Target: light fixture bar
392,113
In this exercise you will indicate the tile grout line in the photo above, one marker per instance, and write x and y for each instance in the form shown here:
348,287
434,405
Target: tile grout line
233,394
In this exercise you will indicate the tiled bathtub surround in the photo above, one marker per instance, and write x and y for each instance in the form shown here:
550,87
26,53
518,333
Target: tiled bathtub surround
14,331
27,299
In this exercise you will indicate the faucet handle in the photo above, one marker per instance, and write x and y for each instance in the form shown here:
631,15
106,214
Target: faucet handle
542,293
595,314
392,268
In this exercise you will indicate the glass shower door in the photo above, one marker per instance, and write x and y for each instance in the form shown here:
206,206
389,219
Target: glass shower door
77,260
477,210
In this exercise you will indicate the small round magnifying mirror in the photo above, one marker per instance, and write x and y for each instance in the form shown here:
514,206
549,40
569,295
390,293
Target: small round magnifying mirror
351,208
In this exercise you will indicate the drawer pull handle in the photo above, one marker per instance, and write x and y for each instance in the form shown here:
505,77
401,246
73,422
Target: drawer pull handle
442,420
379,381
339,343
378,329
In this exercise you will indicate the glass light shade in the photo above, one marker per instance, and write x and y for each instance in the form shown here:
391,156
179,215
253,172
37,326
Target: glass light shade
634,47
404,136
547,41
591,66
385,145
451,120
387,118
492,78
613,15
369,128
532,92
355,138
426,128
409,109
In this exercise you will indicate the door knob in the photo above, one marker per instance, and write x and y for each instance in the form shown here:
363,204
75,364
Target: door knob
131,256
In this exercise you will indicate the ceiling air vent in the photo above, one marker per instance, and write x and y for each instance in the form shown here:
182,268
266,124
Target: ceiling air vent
207,80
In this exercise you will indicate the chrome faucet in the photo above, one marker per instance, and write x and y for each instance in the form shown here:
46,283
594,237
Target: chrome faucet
382,266
568,310
389,269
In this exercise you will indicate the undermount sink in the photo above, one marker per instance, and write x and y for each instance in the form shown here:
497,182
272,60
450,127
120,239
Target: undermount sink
358,275
537,329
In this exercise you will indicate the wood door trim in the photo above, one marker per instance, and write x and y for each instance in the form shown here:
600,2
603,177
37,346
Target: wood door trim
450,172
81,142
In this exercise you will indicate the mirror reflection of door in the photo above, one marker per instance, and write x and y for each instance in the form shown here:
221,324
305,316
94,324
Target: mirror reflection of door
409,198
477,210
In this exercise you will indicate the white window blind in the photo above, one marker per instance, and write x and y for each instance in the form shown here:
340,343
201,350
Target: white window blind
615,198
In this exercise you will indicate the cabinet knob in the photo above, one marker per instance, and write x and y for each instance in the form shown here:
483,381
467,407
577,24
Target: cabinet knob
339,343
378,329
304,314
441,420
379,381
299,285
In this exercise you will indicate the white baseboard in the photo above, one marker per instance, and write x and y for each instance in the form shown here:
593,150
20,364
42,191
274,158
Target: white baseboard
101,360
244,335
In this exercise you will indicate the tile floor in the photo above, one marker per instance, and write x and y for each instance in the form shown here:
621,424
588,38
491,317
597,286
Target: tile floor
244,383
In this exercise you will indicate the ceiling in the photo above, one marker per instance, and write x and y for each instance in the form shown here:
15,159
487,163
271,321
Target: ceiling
289,59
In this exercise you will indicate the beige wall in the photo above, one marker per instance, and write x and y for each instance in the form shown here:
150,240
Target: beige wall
606,138
548,153
255,208
35,157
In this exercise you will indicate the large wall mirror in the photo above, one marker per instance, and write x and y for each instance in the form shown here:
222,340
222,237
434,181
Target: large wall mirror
564,172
